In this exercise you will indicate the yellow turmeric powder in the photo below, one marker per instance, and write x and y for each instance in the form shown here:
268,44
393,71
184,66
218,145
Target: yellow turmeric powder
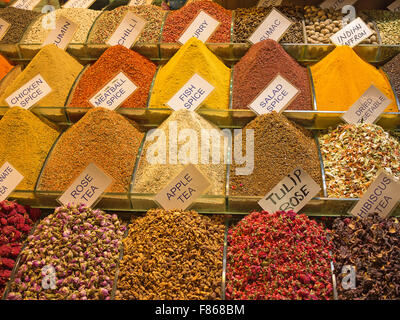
193,57
342,77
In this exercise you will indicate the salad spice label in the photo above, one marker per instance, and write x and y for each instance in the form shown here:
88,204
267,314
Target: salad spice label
9,180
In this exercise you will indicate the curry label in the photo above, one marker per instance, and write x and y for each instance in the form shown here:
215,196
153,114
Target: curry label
202,28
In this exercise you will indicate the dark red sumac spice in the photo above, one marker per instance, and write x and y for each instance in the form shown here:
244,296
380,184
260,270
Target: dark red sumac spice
277,257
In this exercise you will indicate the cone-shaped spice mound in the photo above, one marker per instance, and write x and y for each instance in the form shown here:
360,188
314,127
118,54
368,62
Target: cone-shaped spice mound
261,64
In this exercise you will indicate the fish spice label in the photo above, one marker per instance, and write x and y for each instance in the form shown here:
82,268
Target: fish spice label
114,93
201,28
9,180
128,31
181,192
87,188
336,4
4,26
292,193
25,4
368,108
62,35
381,197
273,27
191,95
78,4
30,93
352,34
395,6
276,96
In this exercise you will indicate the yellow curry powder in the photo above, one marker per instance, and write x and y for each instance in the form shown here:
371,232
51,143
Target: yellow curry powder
342,77
25,141
193,57
57,68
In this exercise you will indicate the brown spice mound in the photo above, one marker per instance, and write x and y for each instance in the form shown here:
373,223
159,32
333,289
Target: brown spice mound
103,137
172,255
279,147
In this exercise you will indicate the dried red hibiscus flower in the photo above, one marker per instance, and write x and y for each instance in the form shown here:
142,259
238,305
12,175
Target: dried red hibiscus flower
278,256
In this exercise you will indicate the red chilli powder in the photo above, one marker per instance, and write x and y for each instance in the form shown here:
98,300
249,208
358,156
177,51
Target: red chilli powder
260,66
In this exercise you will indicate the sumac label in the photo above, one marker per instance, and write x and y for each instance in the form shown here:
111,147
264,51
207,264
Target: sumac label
10,178
201,28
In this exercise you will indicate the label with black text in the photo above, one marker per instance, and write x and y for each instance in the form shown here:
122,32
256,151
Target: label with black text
352,34
78,4
336,4
269,3
134,3
4,26
25,4
62,35
202,28
10,178
395,6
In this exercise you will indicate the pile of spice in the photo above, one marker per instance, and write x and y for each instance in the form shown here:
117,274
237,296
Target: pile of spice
37,33
109,21
342,77
371,245
172,255
178,21
353,155
79,248
388,24
16,222
247,21
103,137
280,146
25,141
115,59
193,57
392,69
5,67
157,168
321,24
56,67
261,64
19,20
279,256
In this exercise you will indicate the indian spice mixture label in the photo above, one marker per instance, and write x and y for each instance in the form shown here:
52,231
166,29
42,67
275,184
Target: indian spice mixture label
202,28
87,188
128,31
278,94
292,193
191,95
381,197
62,35
368,108
78,4
352,34
4,26
9,180
25,4
181,192
395,6
273,27
30,93
114,93
336,4
269,3
133,3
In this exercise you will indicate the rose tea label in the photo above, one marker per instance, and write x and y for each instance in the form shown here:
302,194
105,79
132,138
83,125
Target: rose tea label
128,31
62,35
201,28
368,108
381,197
191,95
276,96
78,4
30,93
114,93
25,4
336,4
87,188
133,3
181,192
9,180
292,193
273,27
269,3
4,26
352,34
395,6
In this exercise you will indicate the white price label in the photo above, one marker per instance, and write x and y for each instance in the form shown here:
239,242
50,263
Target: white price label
25,4
352,34
10,178
78,4
4,26
201,28
63,34
336,4
269,3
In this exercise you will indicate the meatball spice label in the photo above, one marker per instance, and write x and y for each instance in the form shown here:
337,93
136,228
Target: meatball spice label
278,95
114,93
128,31
336,4
62,35
191,95
395,6
292,193
273,27
87,188
368,108
9,180
381,197
352,34
202,28
25,4
30,93
4,26
78,4
181,192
